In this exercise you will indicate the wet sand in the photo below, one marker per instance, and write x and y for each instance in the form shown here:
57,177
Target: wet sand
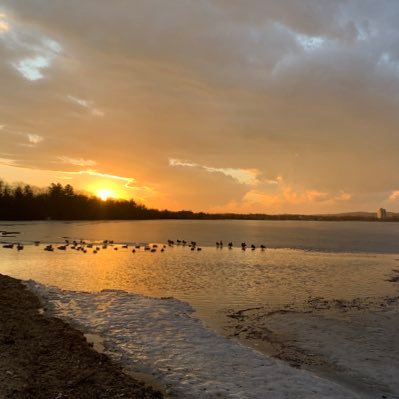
43,357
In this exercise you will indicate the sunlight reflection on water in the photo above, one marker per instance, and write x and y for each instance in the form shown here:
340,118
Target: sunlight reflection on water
212,280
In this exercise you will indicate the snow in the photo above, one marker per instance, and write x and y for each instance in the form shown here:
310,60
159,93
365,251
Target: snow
160,336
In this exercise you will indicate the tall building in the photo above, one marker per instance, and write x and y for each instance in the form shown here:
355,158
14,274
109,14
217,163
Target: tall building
381,213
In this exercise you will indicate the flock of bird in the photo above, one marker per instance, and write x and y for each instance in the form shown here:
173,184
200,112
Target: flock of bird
83,246
219,244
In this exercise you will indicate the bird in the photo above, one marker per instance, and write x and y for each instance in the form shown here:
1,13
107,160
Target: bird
49,248
62,247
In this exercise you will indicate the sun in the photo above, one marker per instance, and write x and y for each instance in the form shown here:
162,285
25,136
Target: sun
104,194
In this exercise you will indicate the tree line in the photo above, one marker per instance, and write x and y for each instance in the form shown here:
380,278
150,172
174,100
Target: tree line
58,202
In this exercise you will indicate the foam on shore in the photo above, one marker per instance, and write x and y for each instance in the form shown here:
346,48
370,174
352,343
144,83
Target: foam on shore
161,337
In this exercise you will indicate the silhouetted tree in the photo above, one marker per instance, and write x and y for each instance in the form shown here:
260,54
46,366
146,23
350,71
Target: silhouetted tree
63,203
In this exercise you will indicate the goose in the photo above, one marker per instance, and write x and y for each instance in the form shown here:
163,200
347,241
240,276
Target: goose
49,248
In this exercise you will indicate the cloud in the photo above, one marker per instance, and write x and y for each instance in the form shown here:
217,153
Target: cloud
77,161
79,101
4,26
394,195
35,138
35,51
86,104
243,176
31,68
7,162
285,200
316,195
305,89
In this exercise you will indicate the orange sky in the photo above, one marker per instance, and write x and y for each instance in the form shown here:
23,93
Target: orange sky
214,105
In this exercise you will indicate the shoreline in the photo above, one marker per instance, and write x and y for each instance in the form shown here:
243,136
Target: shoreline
44,357
340,340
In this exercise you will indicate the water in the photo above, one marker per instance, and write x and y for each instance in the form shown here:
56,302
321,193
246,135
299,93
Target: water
372,237
215,280
303,260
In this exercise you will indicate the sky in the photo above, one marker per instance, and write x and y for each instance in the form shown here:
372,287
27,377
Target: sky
287,106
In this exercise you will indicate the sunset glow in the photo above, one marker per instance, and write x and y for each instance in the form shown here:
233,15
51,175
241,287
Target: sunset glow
244,112
104,194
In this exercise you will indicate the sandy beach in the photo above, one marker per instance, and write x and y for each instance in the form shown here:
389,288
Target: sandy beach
43,357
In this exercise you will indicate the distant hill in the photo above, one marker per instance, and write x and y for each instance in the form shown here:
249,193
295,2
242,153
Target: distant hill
360,215
351,214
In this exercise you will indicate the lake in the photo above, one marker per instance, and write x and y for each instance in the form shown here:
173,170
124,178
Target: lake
303,261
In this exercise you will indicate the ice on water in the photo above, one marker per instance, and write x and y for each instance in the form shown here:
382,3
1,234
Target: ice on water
160,336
